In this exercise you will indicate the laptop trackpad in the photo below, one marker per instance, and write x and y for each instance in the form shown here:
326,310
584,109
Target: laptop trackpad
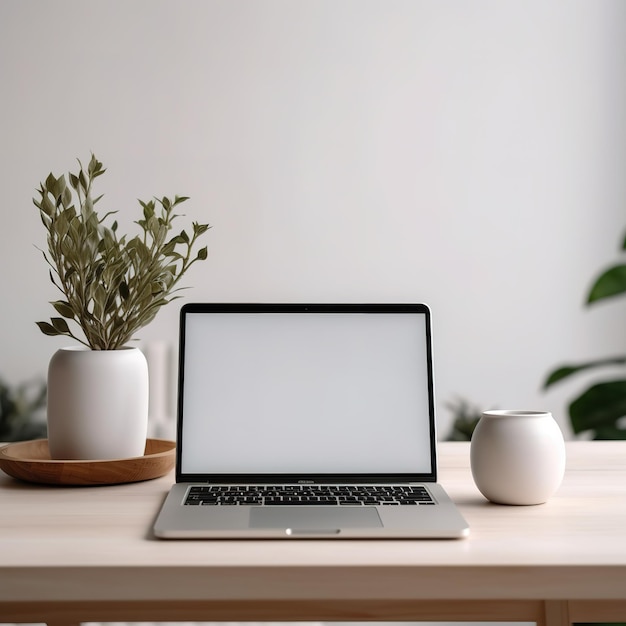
314,519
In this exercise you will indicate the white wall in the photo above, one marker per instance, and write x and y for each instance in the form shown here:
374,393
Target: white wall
470,154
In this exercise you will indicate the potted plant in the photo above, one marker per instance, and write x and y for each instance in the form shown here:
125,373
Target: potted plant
111,286
601,408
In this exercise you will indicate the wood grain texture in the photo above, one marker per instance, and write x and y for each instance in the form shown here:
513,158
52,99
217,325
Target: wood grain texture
262,610
88,554
30,461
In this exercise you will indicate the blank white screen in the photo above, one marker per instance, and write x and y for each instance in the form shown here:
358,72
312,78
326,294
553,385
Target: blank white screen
305,393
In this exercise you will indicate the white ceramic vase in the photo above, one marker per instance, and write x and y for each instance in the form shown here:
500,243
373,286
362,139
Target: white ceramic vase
517,457
97,403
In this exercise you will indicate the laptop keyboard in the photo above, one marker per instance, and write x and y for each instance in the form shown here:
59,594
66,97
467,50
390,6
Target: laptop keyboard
313,495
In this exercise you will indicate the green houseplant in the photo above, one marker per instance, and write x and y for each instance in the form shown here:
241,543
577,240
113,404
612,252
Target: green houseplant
601,407
111,286
465,419
19,406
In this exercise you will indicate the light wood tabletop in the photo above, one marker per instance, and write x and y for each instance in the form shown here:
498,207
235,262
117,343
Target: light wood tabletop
72,554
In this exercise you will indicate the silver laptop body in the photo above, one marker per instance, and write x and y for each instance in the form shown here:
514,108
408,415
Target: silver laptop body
306,421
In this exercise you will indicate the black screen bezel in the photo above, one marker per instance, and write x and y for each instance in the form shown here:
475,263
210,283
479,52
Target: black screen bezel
261,308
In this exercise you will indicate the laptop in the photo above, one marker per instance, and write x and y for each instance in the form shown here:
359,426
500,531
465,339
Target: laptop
306,421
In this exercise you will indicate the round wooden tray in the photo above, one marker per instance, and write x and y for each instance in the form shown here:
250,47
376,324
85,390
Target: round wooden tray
30,461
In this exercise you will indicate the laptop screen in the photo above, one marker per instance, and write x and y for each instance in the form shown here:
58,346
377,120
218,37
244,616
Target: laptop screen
305,390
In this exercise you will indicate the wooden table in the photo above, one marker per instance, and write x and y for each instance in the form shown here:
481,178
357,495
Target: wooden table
86,554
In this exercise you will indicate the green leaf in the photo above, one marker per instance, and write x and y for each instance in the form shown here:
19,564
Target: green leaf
567,370
610,283
99,297
95,167
48,329
560,373
64,309
148,210
168,248
202,254
82,180
600,406
157,288
51,184
609,434
60,325
110,301
46,205
124,292
66,197
199,229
